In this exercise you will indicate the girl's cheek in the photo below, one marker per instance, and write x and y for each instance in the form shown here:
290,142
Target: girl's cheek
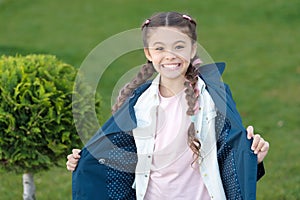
185,56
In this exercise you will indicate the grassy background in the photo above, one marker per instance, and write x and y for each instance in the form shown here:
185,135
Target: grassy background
258,39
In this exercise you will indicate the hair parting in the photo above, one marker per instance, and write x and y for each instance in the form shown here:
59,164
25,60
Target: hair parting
170,19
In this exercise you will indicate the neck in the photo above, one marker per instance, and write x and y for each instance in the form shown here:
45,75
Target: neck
169,87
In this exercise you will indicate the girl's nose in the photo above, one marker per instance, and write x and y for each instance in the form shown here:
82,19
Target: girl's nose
170,55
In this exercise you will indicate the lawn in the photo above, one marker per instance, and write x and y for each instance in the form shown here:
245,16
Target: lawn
258,39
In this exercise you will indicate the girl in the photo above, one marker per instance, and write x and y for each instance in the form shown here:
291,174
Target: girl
183,125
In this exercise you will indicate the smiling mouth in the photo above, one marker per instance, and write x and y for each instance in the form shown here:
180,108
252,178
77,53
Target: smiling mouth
172,66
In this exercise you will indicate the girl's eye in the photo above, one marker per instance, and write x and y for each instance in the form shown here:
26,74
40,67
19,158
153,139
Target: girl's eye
179,47
159,48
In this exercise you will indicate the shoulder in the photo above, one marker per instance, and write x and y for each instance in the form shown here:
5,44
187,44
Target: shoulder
142,88
211,74
212,69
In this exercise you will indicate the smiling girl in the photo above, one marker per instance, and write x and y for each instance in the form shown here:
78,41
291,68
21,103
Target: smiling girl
189,139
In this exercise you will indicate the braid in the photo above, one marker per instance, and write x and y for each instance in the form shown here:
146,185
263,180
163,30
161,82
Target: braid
143,75
192,98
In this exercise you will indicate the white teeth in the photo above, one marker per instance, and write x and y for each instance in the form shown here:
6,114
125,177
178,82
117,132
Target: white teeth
171,66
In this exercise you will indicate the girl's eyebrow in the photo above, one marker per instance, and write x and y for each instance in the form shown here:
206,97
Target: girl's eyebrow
180,41
161,43
158,43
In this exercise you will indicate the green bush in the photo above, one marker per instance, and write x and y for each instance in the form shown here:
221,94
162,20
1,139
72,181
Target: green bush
36,119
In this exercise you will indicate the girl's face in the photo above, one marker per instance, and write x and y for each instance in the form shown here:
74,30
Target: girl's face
170,51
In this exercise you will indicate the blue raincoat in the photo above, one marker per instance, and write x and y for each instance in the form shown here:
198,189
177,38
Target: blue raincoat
107,164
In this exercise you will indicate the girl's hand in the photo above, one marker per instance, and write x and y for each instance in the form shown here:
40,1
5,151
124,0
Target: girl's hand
73,160
259,145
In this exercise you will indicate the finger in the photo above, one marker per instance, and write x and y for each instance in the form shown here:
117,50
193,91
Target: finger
250,132
76,152
262,154
72,159
70,168
71,165
255,142
260,144
70,156
265,147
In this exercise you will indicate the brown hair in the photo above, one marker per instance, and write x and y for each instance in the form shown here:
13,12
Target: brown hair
187,26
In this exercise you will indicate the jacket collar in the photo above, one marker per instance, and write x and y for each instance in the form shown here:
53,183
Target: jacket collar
212,76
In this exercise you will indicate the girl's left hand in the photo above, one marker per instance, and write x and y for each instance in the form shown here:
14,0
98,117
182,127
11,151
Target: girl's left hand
259,145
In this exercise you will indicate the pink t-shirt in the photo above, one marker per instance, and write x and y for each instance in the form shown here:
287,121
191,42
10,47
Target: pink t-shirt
172,176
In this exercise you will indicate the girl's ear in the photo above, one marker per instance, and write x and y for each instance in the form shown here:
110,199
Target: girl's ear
194,50
147,54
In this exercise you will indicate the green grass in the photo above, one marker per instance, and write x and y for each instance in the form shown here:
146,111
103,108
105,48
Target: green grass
259,41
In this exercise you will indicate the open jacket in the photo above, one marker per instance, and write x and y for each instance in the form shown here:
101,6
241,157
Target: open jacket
146,112
106,169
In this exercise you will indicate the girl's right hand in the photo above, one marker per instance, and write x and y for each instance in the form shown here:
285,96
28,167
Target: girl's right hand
73,160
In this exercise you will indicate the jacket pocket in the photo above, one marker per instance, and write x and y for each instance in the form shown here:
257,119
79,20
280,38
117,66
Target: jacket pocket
208,116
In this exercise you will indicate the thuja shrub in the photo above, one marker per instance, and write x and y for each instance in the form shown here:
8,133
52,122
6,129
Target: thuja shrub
37,125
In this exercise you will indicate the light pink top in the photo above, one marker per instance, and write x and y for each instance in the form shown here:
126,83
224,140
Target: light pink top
172,176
